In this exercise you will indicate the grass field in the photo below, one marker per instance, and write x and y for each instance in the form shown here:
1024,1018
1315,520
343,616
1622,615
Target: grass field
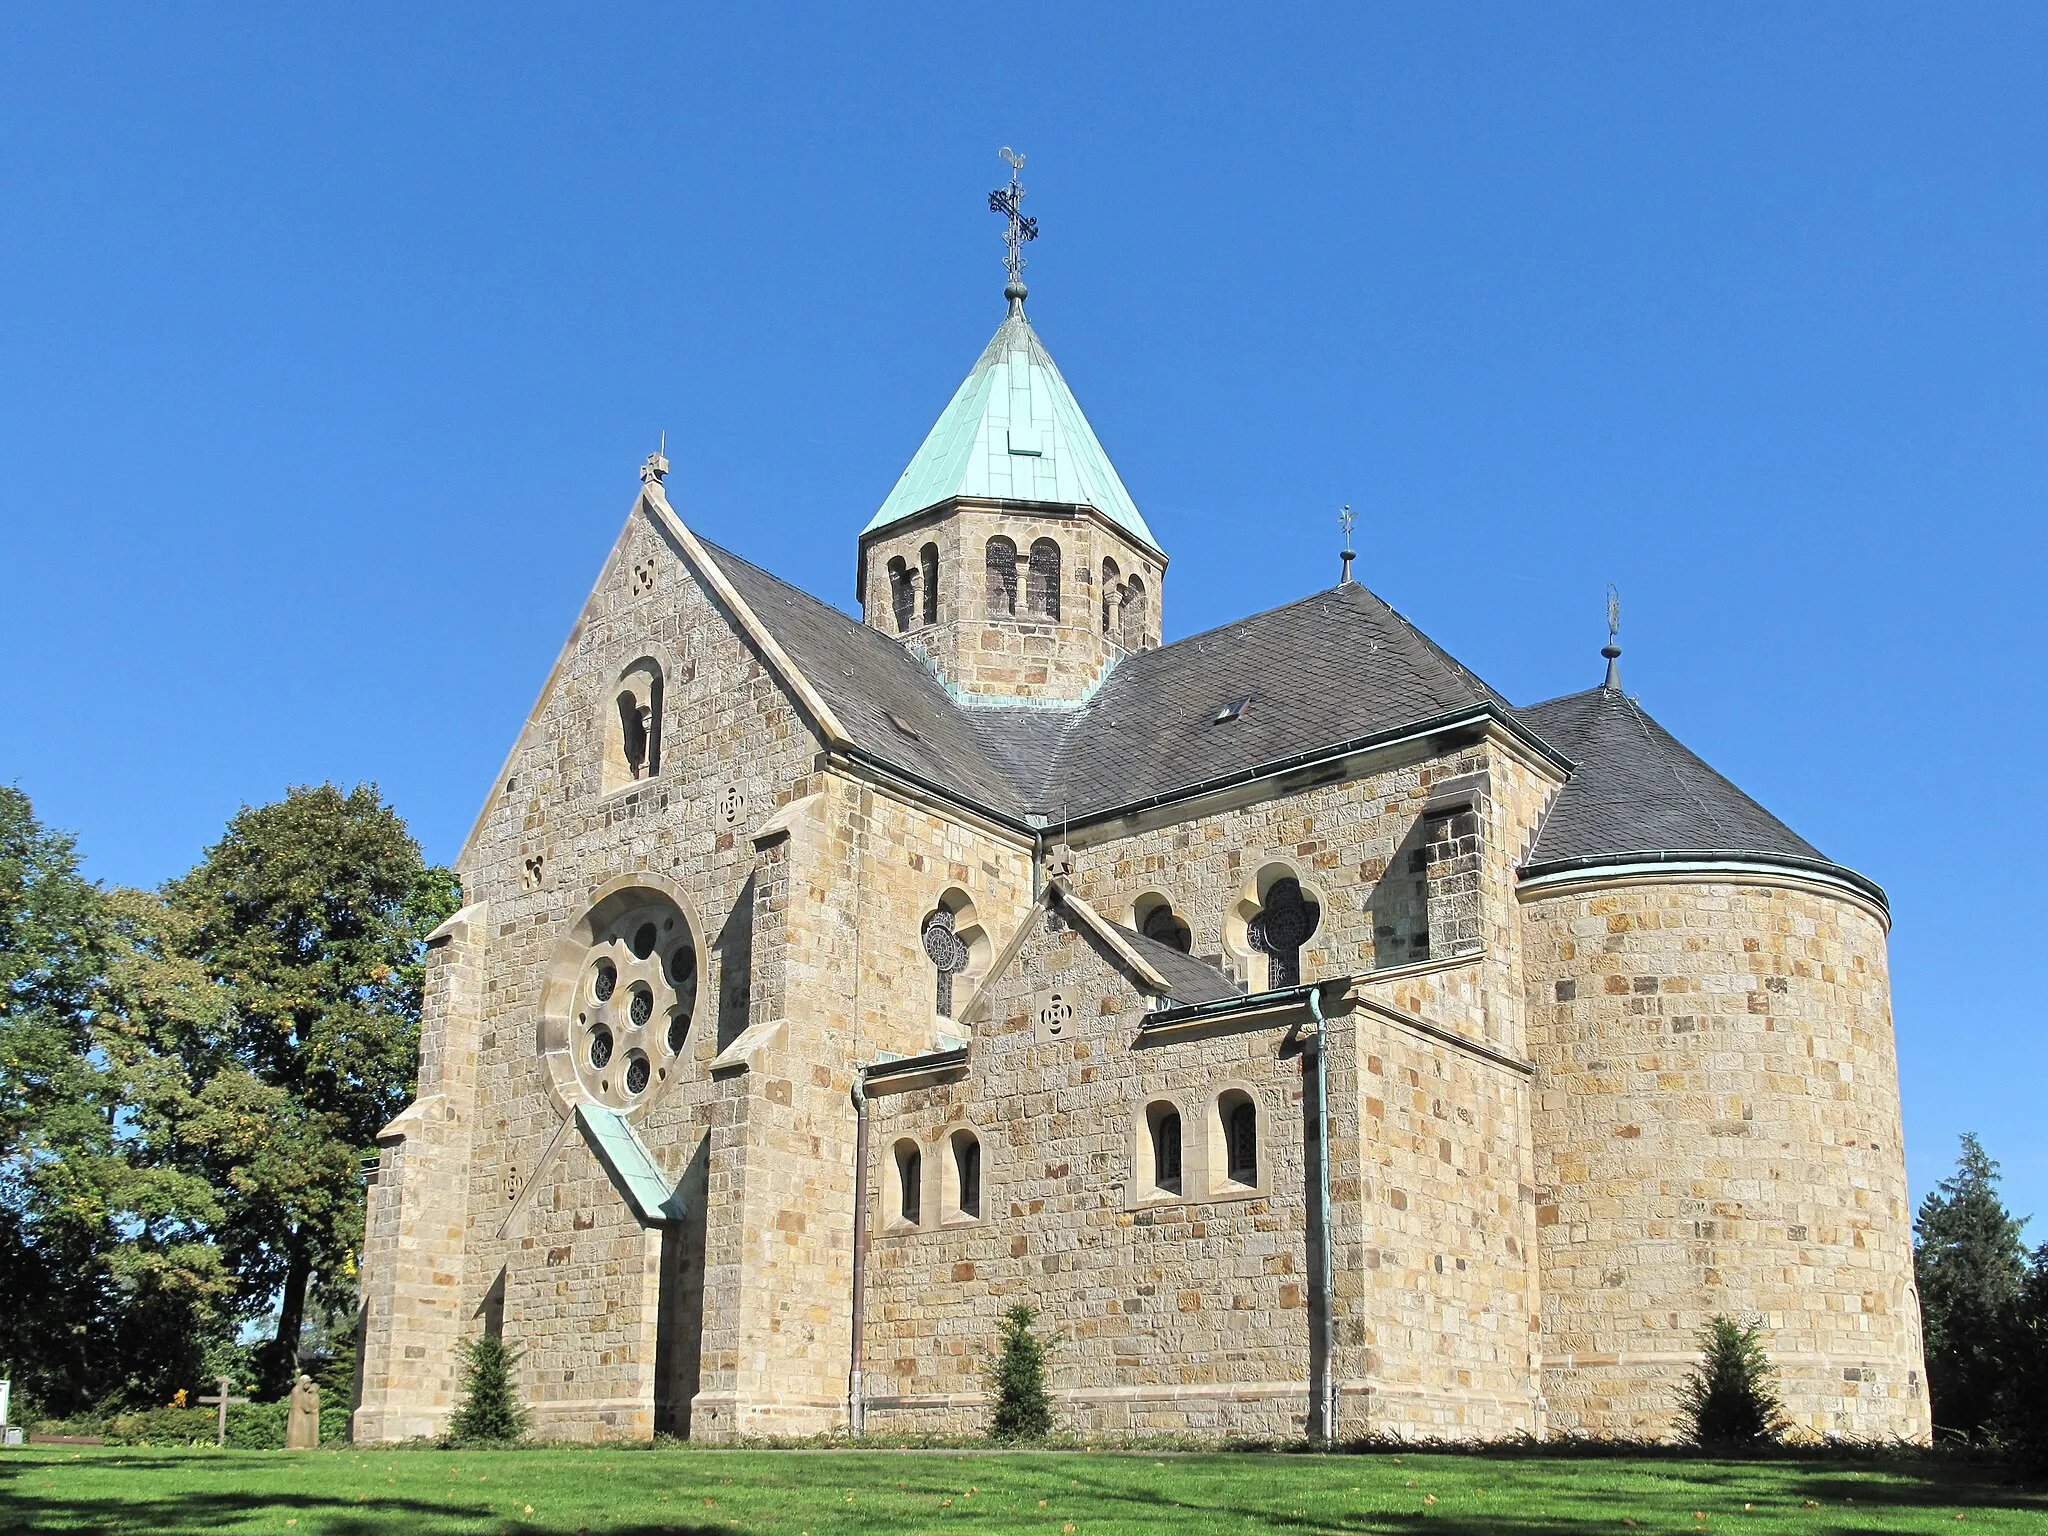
632,1492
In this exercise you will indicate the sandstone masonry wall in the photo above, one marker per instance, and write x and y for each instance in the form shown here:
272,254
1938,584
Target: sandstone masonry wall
1718,1132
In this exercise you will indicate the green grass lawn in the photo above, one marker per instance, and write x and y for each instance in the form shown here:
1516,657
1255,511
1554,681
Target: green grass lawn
634,1492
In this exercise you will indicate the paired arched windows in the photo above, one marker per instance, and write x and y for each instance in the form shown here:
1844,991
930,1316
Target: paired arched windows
1221,1159
1001,562
1041,579
957,1190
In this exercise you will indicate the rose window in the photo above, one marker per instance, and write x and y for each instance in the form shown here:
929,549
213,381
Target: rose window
634,1002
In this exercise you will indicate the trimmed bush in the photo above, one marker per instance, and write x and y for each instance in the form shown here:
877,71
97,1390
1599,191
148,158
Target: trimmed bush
1729,1402
1023,1409
490,1412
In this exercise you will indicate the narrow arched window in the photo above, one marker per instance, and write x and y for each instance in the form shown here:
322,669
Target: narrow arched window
1131,615
928,569
1165,1128
1109,596
902,594
1167,927
909,1182
1042,594
1282,926
1002,578
967,1170
1240,1138
633,750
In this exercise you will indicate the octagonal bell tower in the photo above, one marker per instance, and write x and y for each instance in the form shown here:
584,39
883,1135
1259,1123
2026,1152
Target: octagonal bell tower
1010,554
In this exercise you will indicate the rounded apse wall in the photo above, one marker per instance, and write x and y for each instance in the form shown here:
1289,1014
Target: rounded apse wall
1717,1131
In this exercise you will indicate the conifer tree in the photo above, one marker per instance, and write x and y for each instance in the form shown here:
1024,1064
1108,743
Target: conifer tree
1023,1408
1729,1401
2022,1416
490,1410
1968,1264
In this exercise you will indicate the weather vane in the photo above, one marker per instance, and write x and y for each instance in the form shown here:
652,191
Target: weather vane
1345,519
1612,649
1008,201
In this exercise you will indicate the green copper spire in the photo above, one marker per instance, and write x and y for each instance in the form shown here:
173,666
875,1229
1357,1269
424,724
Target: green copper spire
1014,431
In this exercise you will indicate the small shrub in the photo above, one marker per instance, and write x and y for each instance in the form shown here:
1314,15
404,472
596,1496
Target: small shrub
490,1412
1023,1409
1729,1402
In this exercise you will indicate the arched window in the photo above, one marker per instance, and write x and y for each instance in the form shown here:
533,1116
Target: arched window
902,594
967,1172
1042,593
1283,924
1160,922
947,953
1240,1123
1109,596
1162,1121
1131,615
634,751
1002,578
928,569
909,1183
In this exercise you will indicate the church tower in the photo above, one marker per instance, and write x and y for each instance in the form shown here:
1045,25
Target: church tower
1010,554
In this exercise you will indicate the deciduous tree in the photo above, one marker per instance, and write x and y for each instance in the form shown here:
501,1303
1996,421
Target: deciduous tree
311,913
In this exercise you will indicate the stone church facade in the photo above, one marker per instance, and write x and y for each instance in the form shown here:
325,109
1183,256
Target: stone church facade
1317,1040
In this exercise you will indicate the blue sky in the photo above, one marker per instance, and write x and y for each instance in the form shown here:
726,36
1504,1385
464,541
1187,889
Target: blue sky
332,338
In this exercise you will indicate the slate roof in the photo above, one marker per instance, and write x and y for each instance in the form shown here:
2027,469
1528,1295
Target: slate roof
1013,430
1636,789
1188,980
871,682
1334,668
1337,666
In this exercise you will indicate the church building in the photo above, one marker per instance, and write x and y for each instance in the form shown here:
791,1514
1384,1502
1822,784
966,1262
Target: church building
1319,1042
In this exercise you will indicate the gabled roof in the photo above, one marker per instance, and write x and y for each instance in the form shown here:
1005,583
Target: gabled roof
1331,671
1338,666
1188,980
1637,790
1013,431
1333,668
887,697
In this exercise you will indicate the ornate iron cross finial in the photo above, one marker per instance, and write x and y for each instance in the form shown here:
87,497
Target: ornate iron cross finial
1612,649
1345,519
1008,201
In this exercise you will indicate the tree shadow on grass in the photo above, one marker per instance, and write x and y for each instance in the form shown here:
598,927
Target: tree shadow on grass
1851,1499
25,1509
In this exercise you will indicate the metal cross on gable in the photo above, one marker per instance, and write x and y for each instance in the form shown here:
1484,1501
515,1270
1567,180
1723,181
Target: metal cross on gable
1009,201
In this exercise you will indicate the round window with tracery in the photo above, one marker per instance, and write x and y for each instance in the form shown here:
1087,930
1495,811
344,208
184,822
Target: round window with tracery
634,1001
